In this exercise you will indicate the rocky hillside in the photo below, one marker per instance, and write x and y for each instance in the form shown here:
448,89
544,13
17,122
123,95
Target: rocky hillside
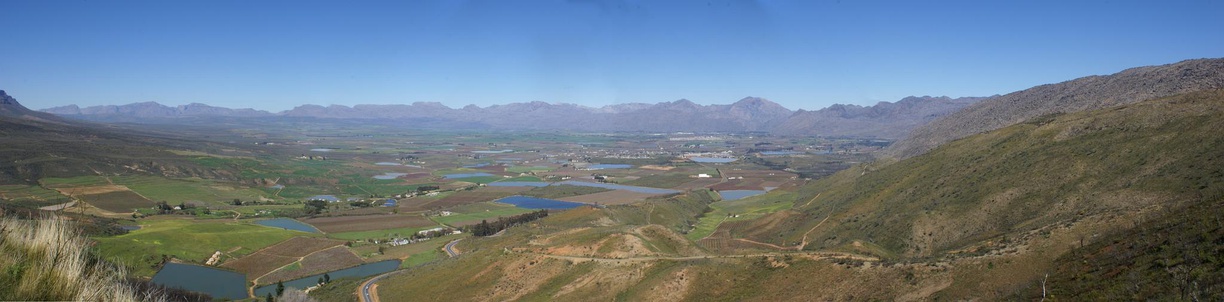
886,120
1087,93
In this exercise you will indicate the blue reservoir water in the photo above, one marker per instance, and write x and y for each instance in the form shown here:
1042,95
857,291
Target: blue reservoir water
364,270
716,160
220,284
738,194
387,163
331,198
389,175
609,166
538,203
286,223
493,152
518,184
780,152
322,150
619,187
466,175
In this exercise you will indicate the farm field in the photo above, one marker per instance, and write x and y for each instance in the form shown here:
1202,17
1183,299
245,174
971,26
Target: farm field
326,260
190,240
117,201
345,224
473,213
615,197
32,195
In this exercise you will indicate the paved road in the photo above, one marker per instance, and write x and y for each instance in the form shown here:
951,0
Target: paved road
450,248
366,296
365,287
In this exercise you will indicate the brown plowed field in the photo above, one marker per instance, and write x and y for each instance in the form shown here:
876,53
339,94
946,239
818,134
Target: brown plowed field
322,261
273,257
301,246
117,201
614,197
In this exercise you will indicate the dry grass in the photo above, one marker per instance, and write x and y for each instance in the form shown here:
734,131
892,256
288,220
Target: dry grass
48,259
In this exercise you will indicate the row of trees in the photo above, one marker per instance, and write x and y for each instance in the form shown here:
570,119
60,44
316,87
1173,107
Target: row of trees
486,228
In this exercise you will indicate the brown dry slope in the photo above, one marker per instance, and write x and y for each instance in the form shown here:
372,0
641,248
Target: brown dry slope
1087,93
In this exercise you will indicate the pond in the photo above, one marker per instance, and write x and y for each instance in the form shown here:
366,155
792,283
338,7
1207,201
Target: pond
518,184
220,284
277,186
322,150
288,224
780,152
389,175
493,151
538,203
331,198
739,194
387,163
609,166
619,187
477,165
466,175
716,160
364,270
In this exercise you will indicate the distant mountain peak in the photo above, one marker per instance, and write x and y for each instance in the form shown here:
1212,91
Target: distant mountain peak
5,99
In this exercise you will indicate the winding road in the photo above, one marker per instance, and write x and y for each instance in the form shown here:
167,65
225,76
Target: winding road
367,296
450,248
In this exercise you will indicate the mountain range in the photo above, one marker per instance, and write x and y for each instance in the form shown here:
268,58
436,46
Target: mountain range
885,119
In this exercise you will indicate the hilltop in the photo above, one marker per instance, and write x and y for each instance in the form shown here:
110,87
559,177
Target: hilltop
1087,93
34,145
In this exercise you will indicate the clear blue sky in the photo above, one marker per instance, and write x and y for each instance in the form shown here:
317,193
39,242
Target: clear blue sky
802,54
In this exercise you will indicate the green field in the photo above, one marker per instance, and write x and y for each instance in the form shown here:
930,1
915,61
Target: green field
190,240
181,190
520,169
747,209
558,191
31,195
74,181
380,234
523,178
475,212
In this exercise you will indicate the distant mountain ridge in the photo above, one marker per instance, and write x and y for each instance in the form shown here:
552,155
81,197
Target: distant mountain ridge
1086,93
888,120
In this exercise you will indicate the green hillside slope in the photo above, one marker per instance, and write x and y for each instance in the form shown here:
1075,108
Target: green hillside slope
1050,170
1068,200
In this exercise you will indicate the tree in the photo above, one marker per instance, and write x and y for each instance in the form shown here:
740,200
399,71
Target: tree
280,288
237,202
326,278
320,281
315,206
268,298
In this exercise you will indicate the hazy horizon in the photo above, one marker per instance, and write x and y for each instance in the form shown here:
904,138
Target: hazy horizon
274,56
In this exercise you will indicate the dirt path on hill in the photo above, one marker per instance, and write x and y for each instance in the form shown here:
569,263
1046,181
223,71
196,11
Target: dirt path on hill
813,255
804,242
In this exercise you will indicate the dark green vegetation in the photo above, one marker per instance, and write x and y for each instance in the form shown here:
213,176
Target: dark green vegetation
1177,255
